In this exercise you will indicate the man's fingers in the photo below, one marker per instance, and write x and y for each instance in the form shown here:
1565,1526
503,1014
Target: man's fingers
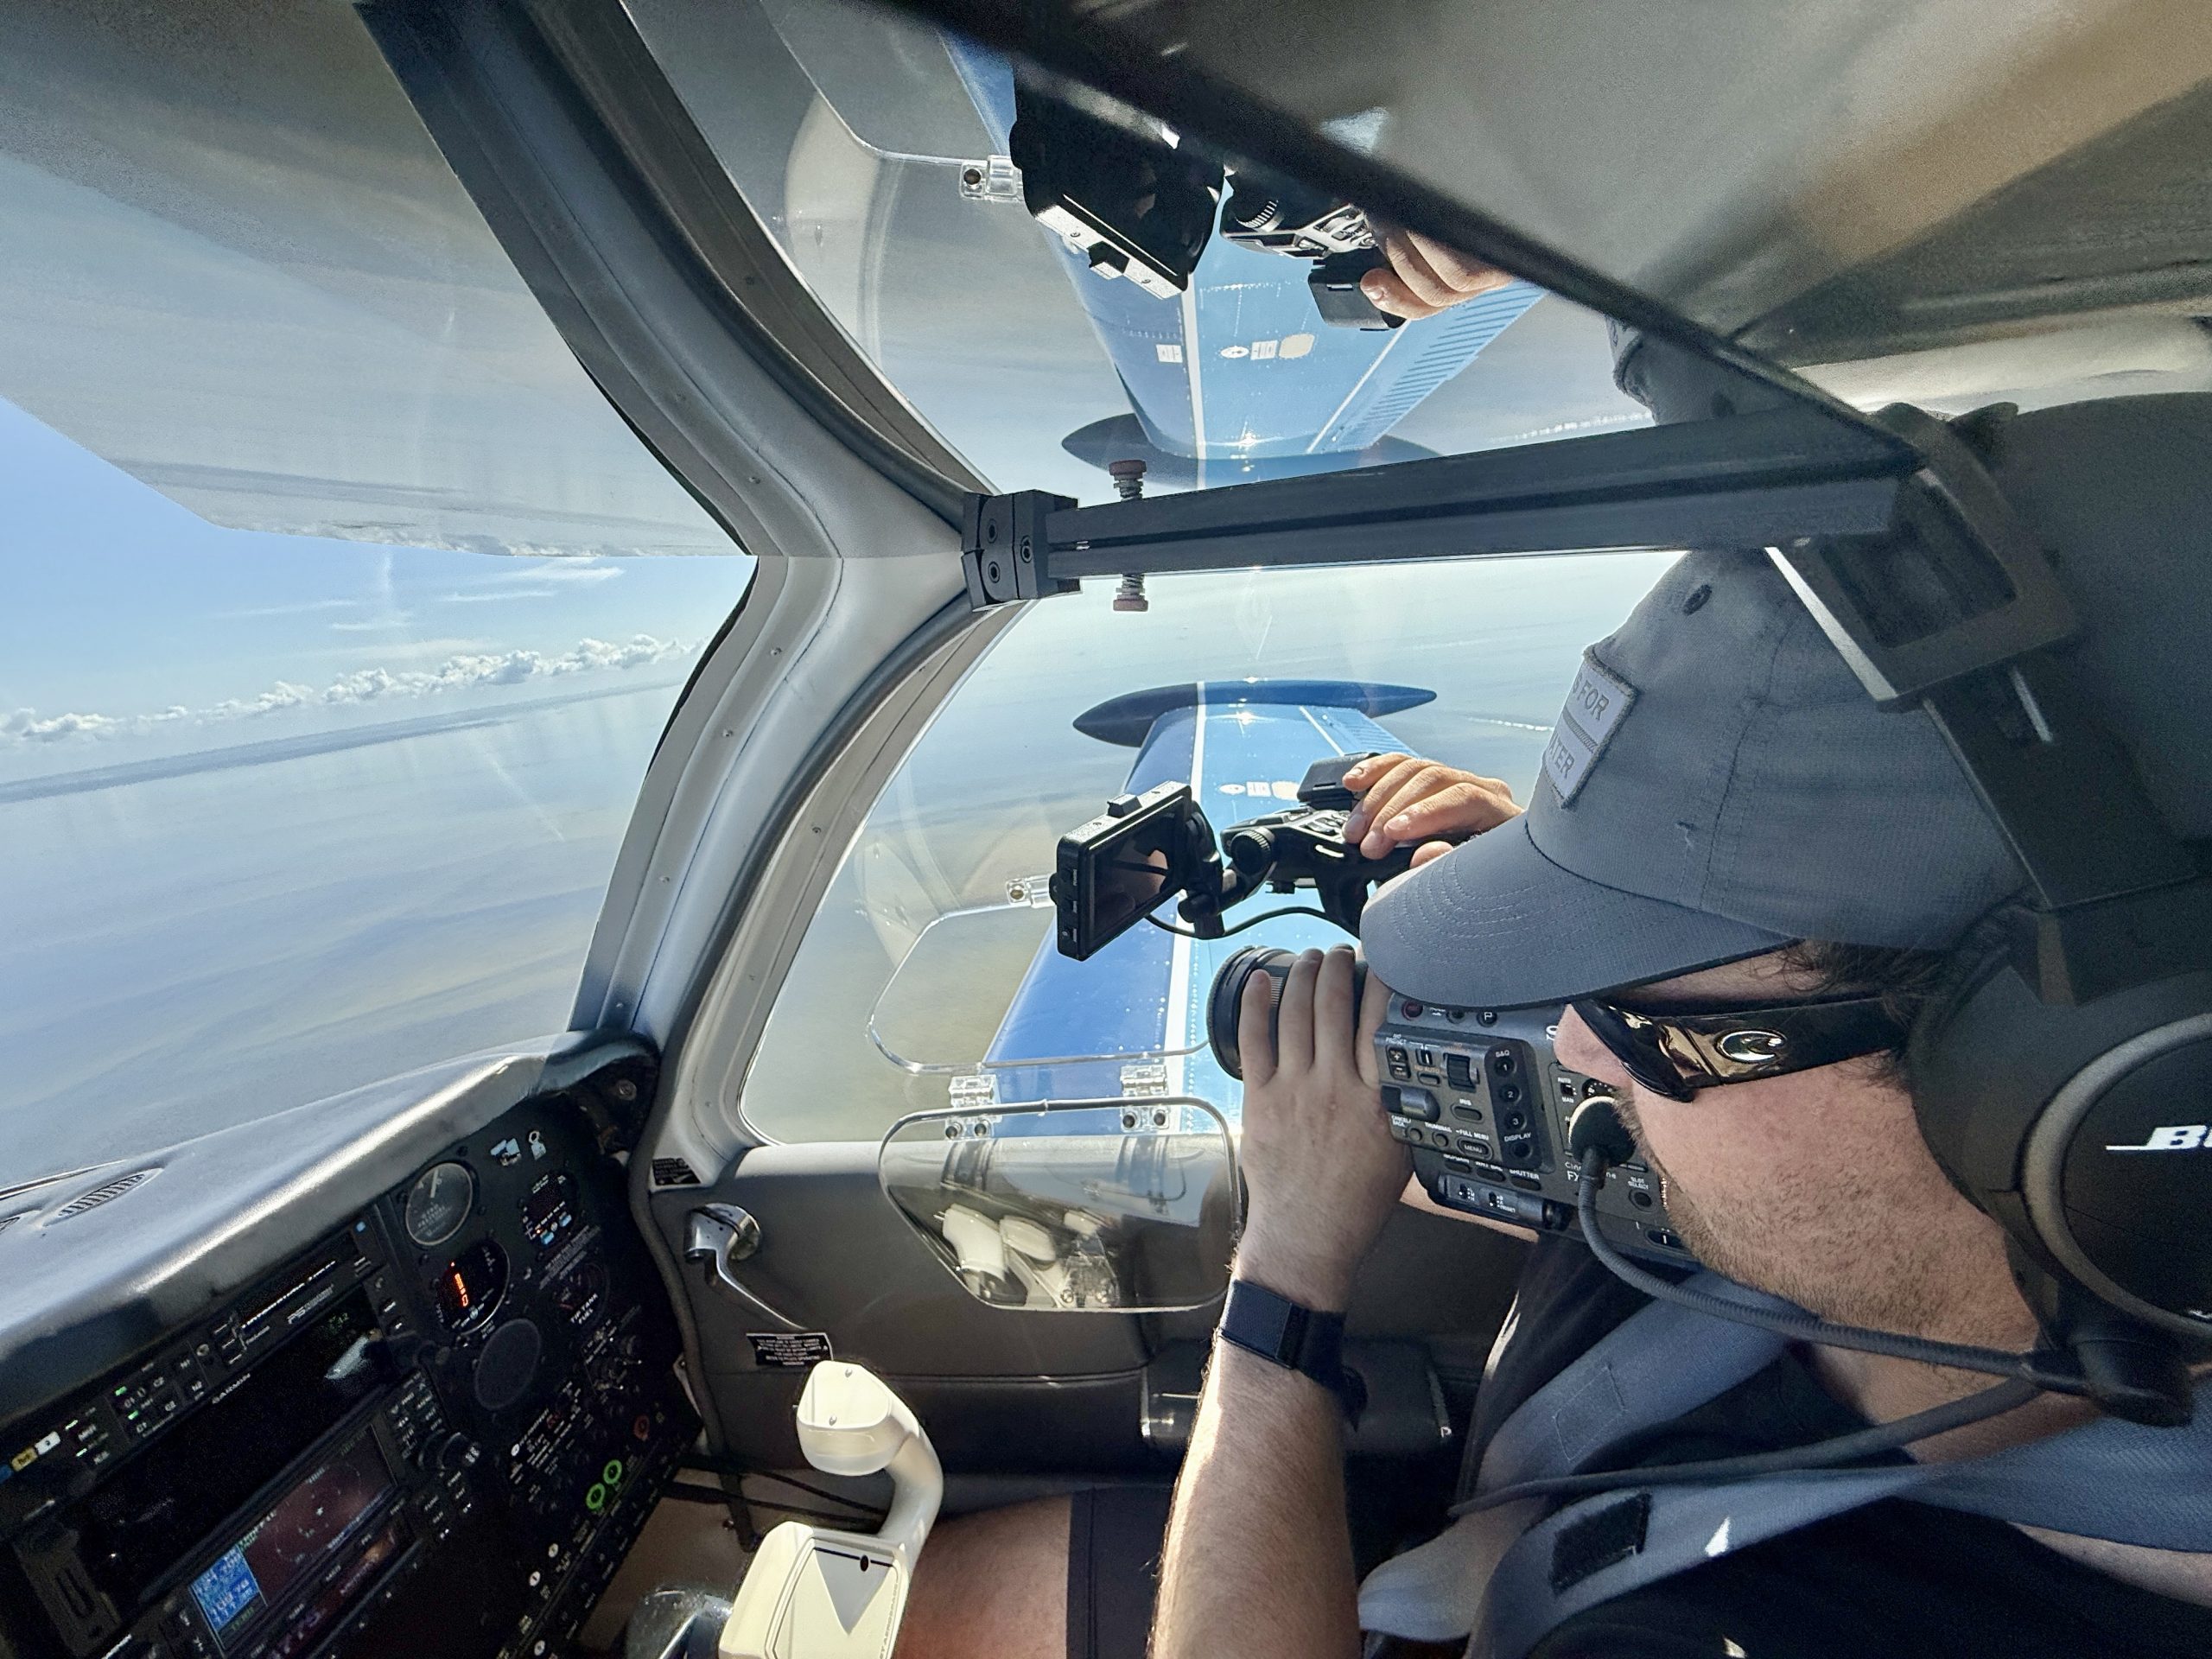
1372,780
1424,276
1386,291
1409,263
1463,274
1391,792
1399,796
1334,1019
1256,1044
1294,1023
1428,850
1405,786
1462,808
1374,1004
1359,776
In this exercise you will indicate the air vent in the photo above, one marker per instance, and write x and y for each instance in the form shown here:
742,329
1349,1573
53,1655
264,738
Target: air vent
6,1222
105,1193
673,1171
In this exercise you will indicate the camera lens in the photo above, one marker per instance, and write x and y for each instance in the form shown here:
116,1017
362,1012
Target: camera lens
1226,999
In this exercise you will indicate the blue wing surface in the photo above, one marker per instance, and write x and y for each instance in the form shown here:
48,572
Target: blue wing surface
1241,372
1244,745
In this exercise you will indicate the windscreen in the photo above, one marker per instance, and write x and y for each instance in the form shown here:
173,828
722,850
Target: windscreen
930,973
331,655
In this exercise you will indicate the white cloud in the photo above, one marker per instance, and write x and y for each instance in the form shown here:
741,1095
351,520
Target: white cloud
463,671
542,579
568,570
375,624
301,607
25,727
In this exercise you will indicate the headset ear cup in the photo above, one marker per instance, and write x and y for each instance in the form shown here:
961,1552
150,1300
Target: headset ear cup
1974,1137
2082,1130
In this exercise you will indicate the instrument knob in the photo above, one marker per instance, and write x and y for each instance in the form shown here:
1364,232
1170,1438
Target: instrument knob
455,1454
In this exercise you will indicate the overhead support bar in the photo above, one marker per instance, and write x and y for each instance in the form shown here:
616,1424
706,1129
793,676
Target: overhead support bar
1743,480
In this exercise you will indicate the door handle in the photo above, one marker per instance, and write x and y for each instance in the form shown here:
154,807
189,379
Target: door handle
719,1234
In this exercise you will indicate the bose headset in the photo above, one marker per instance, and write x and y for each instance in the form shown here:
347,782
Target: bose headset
2062,1078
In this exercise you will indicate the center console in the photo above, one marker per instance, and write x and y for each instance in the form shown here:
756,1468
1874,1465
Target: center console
434,1433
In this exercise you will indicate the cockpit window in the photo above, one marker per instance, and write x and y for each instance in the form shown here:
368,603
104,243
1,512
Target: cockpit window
327,672
880,153
929,976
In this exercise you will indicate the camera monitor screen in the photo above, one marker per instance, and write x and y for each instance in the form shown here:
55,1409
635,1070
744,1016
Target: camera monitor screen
1116,870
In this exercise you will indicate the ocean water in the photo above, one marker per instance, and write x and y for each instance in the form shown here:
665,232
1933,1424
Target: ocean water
219,941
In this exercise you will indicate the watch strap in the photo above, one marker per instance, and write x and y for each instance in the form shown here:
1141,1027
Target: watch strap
1295,1337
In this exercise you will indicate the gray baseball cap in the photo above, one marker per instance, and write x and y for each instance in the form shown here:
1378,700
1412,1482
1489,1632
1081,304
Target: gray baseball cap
1719,784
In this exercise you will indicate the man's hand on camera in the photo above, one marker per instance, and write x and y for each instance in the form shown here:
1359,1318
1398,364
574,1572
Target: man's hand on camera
1320,1169
1405,799
1424,277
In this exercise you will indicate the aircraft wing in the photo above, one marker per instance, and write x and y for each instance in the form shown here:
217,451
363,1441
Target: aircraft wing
1240,378
1243,745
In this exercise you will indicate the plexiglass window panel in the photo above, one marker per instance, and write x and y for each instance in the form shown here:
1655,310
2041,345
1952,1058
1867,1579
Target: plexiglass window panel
876,149
324,694
931,951
1833,183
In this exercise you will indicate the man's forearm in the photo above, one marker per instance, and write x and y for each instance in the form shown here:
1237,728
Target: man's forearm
1259,1557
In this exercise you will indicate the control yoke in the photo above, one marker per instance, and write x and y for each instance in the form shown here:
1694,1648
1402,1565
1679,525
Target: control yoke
813,1592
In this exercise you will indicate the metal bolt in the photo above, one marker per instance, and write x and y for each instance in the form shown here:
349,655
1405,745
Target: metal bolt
1128,484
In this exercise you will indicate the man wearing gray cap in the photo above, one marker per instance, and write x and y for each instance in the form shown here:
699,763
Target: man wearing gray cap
1725,821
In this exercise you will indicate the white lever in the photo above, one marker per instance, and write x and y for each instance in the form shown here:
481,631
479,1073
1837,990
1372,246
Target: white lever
815,1593
850,1424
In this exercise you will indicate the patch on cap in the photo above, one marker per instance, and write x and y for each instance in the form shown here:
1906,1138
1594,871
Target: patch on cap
1595,706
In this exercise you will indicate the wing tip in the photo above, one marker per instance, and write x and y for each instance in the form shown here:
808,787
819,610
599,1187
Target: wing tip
1127,721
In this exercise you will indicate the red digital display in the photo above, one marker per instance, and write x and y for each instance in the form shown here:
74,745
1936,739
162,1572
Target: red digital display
471,1284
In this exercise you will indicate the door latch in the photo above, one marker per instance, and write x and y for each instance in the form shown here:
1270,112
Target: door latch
720,1234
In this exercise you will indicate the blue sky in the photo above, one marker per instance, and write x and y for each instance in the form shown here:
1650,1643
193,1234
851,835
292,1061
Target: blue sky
122,604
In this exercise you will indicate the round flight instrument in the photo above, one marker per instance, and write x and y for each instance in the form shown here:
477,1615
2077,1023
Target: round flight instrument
438,1201
471,1284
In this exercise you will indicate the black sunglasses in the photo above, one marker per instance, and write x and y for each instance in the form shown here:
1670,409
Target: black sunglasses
1676,1051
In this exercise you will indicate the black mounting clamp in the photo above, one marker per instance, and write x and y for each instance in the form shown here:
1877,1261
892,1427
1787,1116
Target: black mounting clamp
1003,548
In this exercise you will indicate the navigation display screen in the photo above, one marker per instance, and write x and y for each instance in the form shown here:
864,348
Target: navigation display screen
296,1535
158,1507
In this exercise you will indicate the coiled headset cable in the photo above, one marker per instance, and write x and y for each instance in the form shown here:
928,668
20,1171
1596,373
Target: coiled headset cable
1598,1139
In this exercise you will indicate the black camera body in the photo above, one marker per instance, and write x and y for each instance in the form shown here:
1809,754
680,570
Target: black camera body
1477,1094
1481,1099
1137,206
1275,216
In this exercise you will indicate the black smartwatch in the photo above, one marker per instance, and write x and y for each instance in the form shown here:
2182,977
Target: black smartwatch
1296,1338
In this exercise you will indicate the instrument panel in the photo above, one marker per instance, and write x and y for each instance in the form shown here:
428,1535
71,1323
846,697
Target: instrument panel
435,1432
